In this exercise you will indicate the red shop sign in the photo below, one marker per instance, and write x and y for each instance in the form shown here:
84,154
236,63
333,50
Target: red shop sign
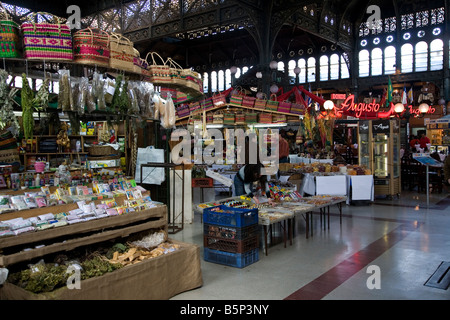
372,109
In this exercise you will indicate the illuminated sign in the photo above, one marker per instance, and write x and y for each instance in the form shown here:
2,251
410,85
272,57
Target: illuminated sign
349,107
338,96
371,110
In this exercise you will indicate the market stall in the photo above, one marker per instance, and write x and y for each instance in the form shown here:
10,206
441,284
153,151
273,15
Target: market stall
101,232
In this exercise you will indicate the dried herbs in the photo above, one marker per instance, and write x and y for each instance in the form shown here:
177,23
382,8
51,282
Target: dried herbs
7,116
27,108
65,98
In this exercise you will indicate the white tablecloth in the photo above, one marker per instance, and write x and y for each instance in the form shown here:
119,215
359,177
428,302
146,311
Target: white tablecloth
362,186
332,185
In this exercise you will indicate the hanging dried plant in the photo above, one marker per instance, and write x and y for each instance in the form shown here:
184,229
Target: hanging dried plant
7,117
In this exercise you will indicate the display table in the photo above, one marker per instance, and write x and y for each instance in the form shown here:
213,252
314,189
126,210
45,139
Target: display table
268,217
285,212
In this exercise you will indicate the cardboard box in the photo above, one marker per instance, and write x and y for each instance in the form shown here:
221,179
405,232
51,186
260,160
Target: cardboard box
159,278
296,179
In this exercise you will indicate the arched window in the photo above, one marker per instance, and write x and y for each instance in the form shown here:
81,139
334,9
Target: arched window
421,56
377,62
364,63
205,82
311,69
221,80
334,67
389,60
436,55
407,58
323,68
213,81
244,70
345,74
238,73
280,66
227,78
301,63
291,67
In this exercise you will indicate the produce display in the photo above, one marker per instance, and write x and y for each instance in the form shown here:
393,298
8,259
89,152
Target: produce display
92,262
327,168
86,208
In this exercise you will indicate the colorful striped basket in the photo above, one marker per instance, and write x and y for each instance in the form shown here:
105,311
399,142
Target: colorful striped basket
121,53
9,36
176,72
251,117
240,117
272,103
139,64
248,101
265,118
91,46
193,80
284,106
207,104
260,103
219,99
297,108
47,41
236,98
158,74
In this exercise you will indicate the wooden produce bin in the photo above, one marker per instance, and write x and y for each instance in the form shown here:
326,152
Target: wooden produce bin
155,278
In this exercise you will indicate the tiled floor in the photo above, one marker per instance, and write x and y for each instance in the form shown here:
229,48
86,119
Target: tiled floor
403,240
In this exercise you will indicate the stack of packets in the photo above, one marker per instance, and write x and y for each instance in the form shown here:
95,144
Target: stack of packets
283,194
71,194
85,211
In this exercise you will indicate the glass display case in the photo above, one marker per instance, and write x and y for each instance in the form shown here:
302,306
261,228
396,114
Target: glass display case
380,155
364,149
380,152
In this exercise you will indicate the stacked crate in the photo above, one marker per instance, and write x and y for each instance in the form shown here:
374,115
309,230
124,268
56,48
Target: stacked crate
231,236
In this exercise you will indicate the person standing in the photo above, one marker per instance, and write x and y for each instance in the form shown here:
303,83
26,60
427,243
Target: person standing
424,140
283,149
244,179
447,173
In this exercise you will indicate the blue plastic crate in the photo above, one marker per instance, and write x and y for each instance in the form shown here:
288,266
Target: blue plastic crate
238,260
230,217
234,233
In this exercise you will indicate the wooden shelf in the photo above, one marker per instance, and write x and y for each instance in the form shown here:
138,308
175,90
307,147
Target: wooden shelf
53,153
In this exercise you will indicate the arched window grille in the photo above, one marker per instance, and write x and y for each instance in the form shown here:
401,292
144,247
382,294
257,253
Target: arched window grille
220,80
364,63
389,60
227,78
302,65
205,79
421,56
334,67
213,81
311,69
323,68
377,62
436,54
407,57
